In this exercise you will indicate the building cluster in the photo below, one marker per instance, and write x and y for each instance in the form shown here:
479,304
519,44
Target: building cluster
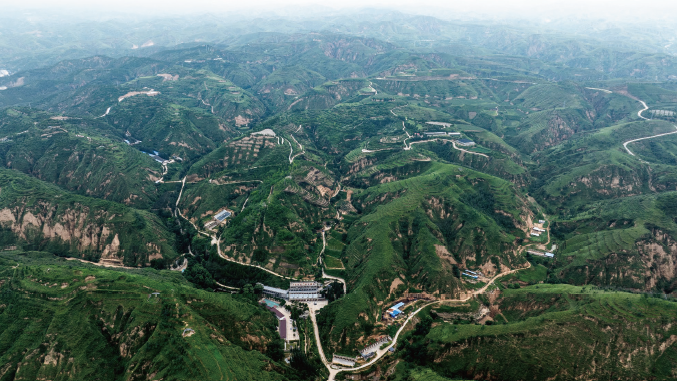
394,311
471,274
536,232
465,142
541,253
218,219
298,291
286,326
442,133
343,360
370,350
461,141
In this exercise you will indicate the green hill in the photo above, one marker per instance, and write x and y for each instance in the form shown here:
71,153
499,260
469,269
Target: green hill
40,216
415,232
140,324
557,332
84,156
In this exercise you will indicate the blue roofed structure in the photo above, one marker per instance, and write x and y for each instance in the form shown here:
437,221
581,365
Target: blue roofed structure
465,142
222,215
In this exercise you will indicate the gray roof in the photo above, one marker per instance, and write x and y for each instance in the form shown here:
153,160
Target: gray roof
222,215
274,289
465,141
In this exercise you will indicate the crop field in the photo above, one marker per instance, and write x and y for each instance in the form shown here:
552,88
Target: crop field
534,274
332,262
548,96
599,244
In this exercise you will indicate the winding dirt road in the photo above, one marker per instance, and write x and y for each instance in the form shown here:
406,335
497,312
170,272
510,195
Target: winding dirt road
216,240
291,158
625,145
639,113
333,371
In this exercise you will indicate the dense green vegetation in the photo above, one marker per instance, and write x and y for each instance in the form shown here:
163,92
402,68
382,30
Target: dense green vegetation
352,134
557,332
56,314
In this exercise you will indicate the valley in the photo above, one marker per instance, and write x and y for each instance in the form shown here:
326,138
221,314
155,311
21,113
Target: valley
463,205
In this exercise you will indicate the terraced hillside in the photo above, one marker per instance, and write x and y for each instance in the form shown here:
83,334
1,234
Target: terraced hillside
140,325
81,155
388,155
626,243
588,328
414,232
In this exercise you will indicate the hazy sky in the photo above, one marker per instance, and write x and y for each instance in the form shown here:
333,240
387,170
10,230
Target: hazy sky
630,9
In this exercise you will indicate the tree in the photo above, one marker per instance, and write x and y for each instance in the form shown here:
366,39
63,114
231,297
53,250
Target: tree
199,276
275,350
300,362
248,289
456,271
334,291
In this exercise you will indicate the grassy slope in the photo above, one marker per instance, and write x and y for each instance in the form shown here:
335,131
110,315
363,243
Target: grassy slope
45,217
401,224
69,312
82,155
597,167
609,242
575,333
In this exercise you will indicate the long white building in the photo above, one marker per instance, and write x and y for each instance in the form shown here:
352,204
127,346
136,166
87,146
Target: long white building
297,291
305,290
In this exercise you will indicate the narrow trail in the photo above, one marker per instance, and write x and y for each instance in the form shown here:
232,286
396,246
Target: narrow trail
236,182
215,240
164,172
226,287
290,152
603,90
181,267
364,150
639,113
332,372
207,104
337,191
625,145
183,184
218,249
466,151
453,143
245,204
371,86
324,275
102,264
406,147
177,211
291,158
